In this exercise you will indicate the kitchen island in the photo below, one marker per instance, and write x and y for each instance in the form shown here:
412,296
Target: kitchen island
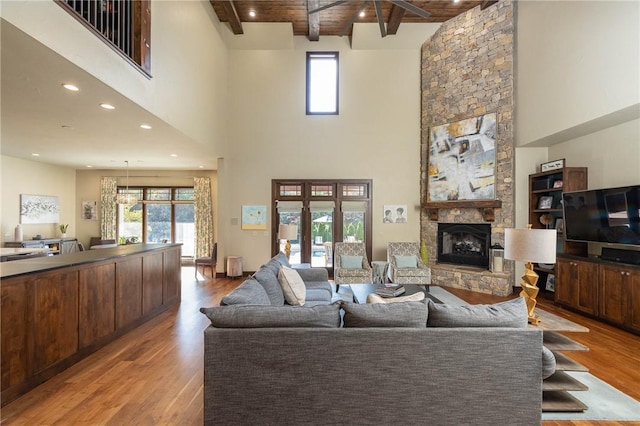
56,310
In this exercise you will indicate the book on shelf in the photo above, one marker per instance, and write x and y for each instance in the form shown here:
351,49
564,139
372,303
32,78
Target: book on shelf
390,290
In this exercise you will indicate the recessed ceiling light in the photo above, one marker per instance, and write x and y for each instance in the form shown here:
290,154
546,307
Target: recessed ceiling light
145,126
456,1
252,13
174,155
107,106
35,154
201,167
70,87
362,14
88,166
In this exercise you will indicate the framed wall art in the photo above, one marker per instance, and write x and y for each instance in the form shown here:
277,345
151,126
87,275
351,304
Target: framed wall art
462,160
254,217
552,165
394,213
39,209
90,210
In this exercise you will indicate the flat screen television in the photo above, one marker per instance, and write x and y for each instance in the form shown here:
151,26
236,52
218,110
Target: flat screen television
609,215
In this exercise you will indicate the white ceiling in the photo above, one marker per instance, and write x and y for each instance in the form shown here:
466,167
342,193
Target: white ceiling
69,128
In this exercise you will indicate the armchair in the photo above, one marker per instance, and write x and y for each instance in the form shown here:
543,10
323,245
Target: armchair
351,265
403,268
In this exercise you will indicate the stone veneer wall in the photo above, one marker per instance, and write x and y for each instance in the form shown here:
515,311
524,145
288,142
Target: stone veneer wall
467,71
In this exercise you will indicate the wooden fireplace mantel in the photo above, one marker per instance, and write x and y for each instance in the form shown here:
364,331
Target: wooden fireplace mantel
486,207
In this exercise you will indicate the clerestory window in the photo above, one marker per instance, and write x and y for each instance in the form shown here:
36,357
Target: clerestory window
322,83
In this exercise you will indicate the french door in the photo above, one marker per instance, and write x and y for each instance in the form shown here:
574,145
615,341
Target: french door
324,211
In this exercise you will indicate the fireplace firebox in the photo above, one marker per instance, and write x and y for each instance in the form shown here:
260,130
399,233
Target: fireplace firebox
465,244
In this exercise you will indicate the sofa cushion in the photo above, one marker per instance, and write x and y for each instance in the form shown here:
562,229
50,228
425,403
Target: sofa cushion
415,297
292,286
512,313
281,258
404,314
269,281
273,265
250,292
350,262
317,294
406,261
252,316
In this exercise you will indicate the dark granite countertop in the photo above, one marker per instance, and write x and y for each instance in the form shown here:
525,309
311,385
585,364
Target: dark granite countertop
40,264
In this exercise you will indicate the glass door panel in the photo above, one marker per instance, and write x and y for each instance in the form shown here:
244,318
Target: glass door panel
158,223
185,229
353,227
321,242
291,218
129,223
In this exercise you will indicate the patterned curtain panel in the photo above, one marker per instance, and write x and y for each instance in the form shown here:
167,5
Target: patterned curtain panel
108,191
203,216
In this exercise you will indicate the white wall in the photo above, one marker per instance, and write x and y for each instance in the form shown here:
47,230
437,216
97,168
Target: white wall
577,61
35,178
375,136
188,61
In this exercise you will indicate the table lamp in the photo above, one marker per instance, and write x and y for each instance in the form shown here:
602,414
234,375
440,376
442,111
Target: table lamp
288,232
530,245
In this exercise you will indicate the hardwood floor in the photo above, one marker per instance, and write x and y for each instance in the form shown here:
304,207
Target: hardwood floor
154,374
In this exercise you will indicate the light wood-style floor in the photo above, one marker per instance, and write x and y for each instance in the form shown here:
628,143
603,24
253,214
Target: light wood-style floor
154,375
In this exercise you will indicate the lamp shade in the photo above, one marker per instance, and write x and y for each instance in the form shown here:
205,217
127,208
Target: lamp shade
530,245
288,232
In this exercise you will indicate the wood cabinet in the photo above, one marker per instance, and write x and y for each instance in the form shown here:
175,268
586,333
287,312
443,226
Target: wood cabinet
620,295
606,290
545,211
56,310
577,285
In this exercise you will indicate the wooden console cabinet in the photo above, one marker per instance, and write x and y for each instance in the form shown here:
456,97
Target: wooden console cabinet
606,290
57,310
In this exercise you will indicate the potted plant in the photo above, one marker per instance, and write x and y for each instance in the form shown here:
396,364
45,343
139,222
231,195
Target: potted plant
63,229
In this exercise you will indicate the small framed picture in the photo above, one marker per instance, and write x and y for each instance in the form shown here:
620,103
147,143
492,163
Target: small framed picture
552,165
560,226
551,283
545,202
558,184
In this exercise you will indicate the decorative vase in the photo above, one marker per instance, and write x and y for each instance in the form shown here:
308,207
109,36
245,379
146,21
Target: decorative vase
18,234
424,254
63,235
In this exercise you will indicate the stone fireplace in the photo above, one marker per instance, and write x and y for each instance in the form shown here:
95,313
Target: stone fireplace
464,244
467,71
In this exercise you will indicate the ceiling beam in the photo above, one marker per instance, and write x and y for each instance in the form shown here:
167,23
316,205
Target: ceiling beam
313,20
349,24
327,6
380,16
486,4
411,8
232,16
395,17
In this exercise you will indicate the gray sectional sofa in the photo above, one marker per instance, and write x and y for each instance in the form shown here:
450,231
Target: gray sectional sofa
342,363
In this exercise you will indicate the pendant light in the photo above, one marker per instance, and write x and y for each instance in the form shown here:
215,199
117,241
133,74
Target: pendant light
126,198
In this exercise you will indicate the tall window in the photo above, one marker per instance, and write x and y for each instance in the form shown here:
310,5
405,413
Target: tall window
164,214
322,83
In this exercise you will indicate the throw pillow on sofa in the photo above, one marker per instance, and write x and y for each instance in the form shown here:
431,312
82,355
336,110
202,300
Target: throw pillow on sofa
252,316
351,262
512,313
406,261
404,314
292,286
415,297
250,292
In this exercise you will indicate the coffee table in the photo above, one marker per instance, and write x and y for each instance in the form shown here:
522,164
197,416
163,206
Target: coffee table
361,291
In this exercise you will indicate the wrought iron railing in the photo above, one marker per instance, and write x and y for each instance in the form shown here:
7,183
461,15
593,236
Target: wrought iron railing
123,24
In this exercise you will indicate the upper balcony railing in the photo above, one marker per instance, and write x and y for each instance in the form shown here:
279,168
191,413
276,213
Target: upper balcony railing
125,25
